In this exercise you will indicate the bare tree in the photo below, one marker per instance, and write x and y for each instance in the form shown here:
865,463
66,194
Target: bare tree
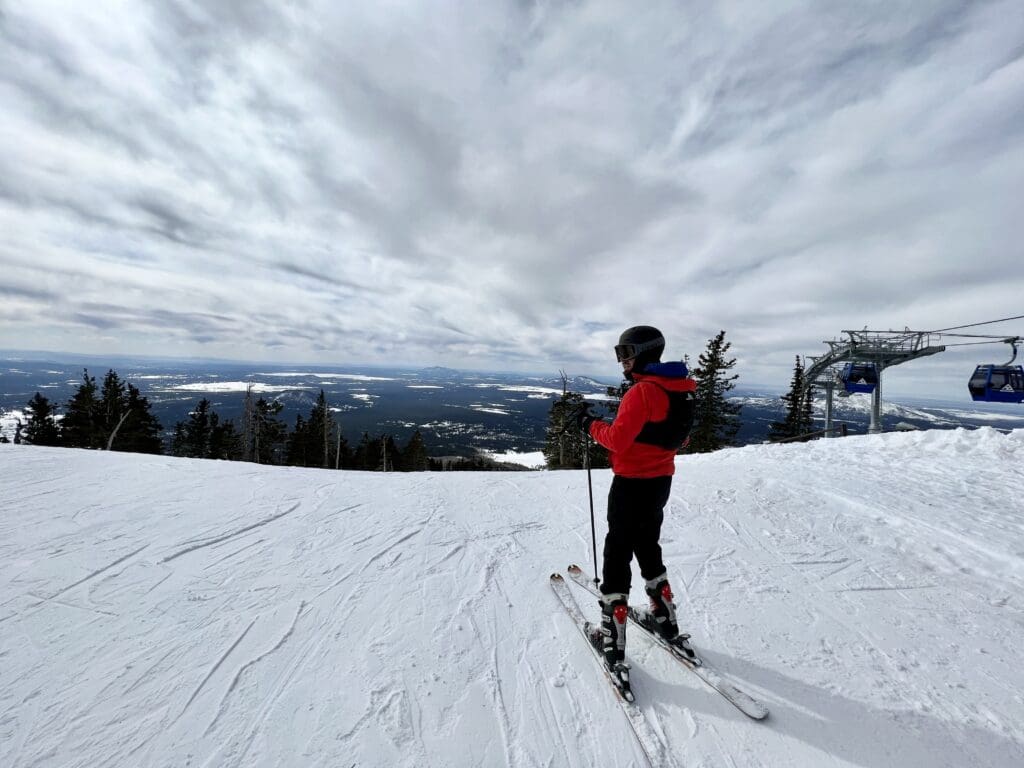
124,416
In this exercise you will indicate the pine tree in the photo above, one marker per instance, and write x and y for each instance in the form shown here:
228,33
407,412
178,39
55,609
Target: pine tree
564,445
141,432
113,406
798,419
310,443
321,427
248,425
82,423
225,442
807,410
342,451
297,446
116,418
178,445
42,427
367,454
197,430
390,456
269,432
717,421
414,457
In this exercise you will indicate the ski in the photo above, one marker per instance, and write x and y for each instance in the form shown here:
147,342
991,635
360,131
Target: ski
743,701
653,748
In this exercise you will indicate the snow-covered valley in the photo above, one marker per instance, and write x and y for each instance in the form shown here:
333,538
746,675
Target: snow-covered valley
173,612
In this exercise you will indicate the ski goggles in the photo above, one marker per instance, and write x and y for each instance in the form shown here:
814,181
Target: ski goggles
629,351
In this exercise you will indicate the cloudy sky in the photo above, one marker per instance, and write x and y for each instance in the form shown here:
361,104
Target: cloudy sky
509,184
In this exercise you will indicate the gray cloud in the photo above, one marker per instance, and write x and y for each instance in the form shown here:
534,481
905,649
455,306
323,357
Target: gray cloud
506,184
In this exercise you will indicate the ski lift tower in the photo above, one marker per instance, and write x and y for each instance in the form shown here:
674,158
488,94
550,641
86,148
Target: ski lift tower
879,348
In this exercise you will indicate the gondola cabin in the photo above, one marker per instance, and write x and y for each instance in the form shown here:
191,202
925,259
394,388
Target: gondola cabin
859,377
997,384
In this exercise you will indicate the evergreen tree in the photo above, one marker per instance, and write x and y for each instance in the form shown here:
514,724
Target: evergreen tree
178,446
197,429
367,454
414,457
564,445
42,427
807,411
297,446
225,442
113,405
269,432
321,427
798,418
311,442
141,431
249,425
390,456
716,419
82,423
342,451
264,436
128,423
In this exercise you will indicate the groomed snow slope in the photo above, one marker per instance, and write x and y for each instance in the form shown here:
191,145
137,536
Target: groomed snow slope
169,612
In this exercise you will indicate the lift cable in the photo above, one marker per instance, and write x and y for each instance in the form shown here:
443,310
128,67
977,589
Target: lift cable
980,336
975,325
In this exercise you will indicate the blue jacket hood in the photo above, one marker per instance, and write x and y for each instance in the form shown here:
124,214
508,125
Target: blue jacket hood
675,369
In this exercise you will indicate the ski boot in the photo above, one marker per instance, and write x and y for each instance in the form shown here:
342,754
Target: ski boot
610,639
661,617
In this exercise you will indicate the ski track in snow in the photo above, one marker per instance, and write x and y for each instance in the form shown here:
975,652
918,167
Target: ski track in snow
158,612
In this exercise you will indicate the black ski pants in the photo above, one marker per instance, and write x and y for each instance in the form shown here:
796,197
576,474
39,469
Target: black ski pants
636,509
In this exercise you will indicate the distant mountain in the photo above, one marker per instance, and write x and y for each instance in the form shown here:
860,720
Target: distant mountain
759,410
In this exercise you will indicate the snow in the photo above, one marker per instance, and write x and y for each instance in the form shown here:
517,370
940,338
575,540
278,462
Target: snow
339,376
494,408
532,459
234,386
160,611
9,421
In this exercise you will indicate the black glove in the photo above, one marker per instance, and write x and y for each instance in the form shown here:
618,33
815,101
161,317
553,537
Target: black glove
580,417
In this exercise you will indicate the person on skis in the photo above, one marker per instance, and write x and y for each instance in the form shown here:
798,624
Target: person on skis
651,425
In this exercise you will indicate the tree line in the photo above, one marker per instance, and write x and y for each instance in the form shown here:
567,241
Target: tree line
115,416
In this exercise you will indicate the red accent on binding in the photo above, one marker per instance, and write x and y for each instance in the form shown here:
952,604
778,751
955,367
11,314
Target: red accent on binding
666,592
620,613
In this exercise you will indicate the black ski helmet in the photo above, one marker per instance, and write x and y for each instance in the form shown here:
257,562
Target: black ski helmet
643,343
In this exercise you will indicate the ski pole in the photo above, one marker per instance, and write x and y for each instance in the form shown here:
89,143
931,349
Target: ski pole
590,492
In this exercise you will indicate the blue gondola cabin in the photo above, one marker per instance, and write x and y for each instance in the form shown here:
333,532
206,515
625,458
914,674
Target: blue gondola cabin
859,377
997,384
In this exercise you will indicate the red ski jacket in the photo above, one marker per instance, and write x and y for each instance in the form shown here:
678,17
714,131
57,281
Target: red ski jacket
644,402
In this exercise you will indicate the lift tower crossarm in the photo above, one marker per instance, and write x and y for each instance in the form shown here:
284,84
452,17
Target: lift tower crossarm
881,348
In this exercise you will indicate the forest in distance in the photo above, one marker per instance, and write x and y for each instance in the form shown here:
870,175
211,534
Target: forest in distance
457,413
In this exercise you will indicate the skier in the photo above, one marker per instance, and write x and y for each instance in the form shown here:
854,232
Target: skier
652,423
